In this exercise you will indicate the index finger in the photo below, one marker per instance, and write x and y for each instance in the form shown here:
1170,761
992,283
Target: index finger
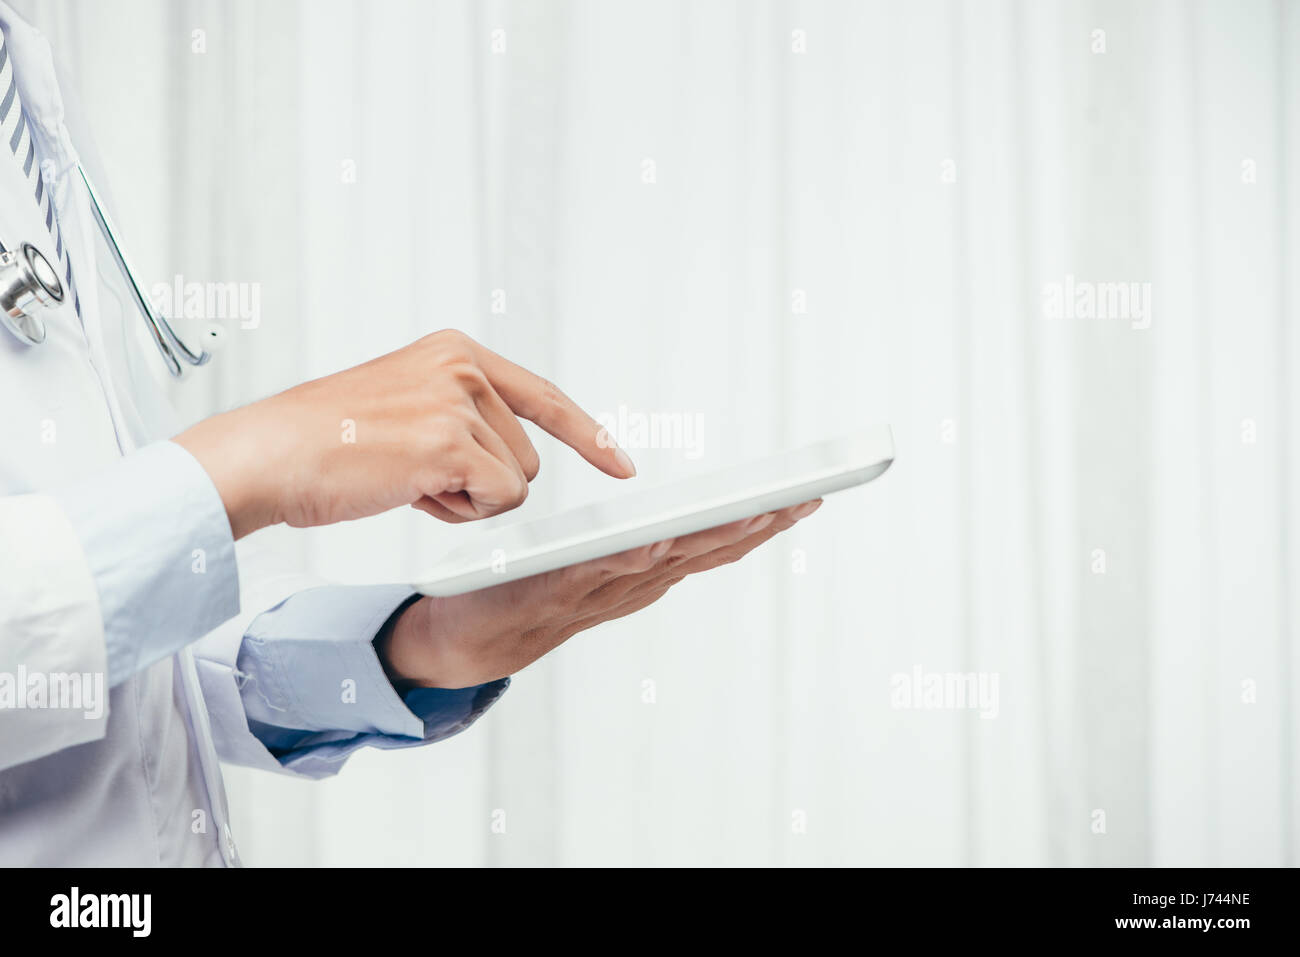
537,400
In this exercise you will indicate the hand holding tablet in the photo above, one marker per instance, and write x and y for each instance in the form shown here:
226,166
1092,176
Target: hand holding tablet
651,515
513,595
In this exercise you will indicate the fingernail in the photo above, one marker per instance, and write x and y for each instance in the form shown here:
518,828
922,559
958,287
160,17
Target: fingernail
758,522
660,550
806,509
624,462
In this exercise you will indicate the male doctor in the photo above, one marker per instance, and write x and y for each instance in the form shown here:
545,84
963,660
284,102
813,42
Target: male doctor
119,563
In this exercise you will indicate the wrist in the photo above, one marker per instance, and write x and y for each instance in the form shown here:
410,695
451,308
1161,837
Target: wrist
403,645
229,449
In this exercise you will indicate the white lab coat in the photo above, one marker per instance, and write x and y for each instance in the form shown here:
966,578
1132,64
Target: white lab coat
141,784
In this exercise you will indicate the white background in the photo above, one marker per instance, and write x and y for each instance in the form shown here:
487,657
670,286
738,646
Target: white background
1026,443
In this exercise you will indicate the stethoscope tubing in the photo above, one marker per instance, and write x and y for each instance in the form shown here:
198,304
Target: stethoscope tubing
170,347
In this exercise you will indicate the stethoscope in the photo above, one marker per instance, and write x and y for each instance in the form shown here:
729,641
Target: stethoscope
29,286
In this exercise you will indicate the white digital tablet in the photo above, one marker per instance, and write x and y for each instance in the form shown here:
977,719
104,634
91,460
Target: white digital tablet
668,511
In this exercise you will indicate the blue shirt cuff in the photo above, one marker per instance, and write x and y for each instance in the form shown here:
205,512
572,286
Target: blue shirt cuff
156,537
314,689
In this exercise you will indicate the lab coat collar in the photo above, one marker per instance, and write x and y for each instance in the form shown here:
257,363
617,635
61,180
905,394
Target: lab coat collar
38,86
34,69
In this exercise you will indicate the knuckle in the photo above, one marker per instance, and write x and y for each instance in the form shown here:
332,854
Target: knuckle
531,464
449,467
448,338
464,374
428,481
549,391
519,493
743,532
551,400
675,559
451,348
453,480
471,377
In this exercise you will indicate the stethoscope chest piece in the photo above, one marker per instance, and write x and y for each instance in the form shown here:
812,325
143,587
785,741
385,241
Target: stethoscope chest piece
28,284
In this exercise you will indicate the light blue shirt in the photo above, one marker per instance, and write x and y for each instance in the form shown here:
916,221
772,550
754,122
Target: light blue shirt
158,542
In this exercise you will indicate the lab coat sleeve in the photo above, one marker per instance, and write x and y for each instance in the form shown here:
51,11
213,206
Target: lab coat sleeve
49,625
156,538
291,683
299,687
98,581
